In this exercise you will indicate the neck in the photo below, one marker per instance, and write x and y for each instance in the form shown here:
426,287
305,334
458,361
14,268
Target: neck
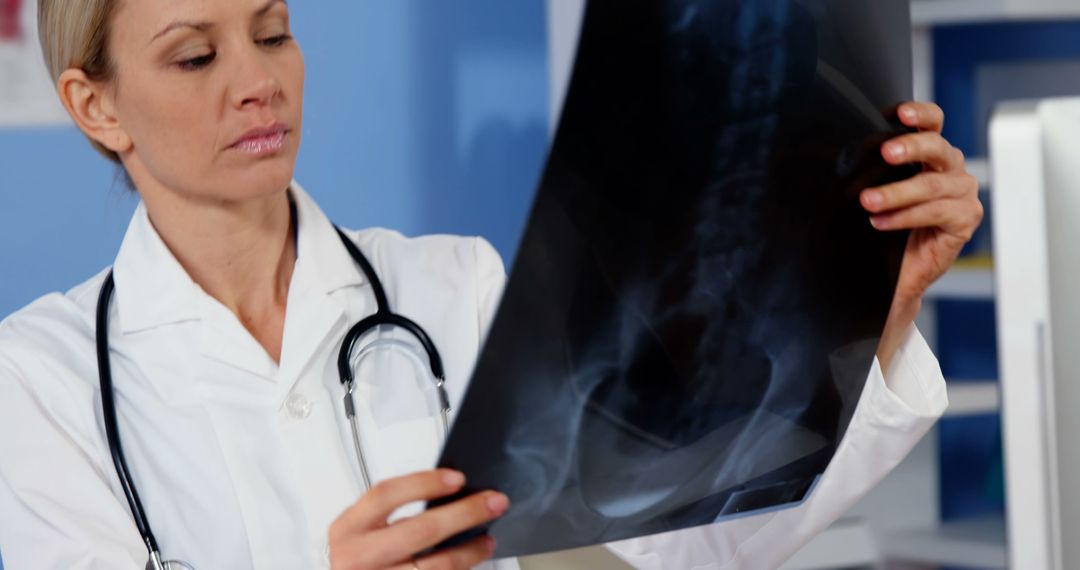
240,253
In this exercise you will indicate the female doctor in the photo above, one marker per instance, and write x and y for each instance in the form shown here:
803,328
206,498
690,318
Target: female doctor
233,291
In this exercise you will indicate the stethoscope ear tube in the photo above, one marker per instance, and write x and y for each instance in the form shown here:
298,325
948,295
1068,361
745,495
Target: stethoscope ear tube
361,328
384,316
112,431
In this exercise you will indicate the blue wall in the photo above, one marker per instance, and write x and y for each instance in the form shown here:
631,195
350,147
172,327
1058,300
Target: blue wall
420,116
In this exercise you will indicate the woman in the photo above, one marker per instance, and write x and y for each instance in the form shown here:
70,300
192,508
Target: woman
233,290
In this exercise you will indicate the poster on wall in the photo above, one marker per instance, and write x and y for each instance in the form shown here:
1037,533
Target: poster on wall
27,97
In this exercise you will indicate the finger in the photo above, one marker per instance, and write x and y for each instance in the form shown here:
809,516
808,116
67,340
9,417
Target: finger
372,510
922,116
928,148
436,525
922,188
465,556
958,217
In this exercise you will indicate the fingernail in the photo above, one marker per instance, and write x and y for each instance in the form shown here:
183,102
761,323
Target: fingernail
895,151
878,222
873,198
909,113
489,544
498,503
453,479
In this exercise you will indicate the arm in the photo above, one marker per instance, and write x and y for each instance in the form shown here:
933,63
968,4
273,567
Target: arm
59,510
888,422
941,208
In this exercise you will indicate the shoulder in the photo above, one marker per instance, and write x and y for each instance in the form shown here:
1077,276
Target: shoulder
444,248
428,254
48,378
56,330
437,269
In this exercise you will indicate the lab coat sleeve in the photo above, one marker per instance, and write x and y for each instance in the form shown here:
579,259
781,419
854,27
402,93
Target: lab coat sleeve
57,510
890,418
490,281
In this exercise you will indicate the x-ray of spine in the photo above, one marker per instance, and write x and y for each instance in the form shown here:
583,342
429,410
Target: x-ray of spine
698,295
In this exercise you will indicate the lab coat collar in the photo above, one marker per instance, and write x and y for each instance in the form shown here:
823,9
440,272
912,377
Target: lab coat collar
153,289
319,249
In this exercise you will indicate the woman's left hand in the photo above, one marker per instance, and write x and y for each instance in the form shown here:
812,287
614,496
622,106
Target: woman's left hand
940,206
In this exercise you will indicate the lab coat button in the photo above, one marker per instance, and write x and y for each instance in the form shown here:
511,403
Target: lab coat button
298,406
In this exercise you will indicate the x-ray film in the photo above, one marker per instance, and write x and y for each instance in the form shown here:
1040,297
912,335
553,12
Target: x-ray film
698,295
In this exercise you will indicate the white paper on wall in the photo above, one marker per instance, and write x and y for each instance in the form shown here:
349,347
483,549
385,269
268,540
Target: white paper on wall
27,97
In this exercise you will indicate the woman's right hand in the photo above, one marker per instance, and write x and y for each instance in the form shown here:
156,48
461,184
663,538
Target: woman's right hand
361,538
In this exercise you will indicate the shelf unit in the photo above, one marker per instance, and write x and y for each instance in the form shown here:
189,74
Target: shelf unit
980,169
976,543
973,398
848,543
942,12
981,542
966,397
963,283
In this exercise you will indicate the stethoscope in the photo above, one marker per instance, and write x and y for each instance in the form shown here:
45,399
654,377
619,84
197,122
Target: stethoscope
383,317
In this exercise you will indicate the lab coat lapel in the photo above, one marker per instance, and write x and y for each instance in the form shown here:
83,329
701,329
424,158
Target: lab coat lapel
226,341
153,291
311,319
315,318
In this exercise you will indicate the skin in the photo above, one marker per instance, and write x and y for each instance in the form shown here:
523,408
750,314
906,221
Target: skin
941,206
183,93
179,100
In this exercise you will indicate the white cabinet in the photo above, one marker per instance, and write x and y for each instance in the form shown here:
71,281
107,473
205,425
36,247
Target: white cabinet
1036,207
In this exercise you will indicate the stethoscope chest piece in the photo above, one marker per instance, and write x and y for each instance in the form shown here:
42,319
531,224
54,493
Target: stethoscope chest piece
155,563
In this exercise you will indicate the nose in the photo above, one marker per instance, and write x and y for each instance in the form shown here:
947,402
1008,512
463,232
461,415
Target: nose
253,83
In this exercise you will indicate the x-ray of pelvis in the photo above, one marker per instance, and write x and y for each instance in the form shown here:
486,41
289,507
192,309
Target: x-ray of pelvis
698,295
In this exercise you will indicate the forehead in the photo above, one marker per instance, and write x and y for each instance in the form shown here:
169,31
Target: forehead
144,19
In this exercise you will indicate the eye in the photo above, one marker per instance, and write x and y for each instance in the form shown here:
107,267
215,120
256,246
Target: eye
274,41
196,63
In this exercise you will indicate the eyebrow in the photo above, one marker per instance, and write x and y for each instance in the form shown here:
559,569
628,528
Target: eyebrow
203,26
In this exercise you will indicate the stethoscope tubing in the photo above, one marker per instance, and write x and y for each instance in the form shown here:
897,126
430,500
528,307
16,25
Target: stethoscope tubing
383,316
108,406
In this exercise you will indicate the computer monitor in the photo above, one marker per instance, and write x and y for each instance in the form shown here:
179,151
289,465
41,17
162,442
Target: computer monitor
1036,216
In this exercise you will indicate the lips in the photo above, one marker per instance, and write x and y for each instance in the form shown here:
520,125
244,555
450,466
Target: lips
263,140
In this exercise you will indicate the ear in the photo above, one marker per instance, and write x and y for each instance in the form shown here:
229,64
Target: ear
90,105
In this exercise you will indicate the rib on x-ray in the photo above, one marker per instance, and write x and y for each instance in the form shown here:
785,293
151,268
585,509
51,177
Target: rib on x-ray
698,295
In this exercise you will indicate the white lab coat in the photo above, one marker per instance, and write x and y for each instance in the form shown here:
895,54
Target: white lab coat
242,463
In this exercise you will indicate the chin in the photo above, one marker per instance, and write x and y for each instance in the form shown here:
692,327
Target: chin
260,180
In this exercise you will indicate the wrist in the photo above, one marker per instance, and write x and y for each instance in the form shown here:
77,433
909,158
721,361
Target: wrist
901,316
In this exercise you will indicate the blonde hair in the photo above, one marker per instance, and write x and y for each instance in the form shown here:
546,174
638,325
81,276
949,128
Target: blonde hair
75,34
